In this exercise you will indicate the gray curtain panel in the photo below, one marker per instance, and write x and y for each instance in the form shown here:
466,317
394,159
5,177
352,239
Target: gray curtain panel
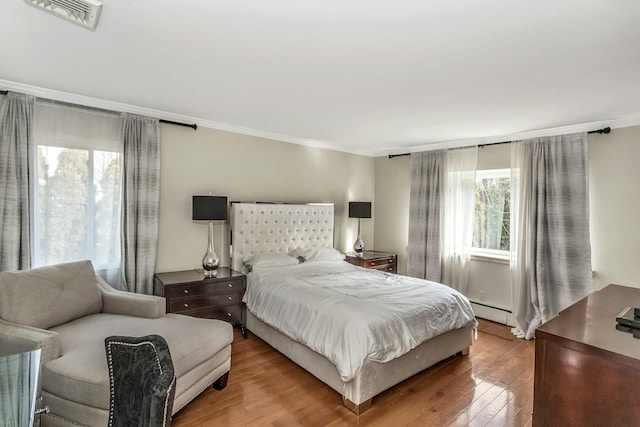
16,114
550,243
425,215
141,200
19,374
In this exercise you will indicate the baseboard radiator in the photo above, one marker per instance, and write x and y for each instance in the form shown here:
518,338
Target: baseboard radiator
495,314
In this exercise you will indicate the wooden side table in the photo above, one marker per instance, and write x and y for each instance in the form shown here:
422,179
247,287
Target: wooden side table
382,261
189,292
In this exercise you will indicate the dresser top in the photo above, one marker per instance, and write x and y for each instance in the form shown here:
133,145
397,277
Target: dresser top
592,321
186,276
370,255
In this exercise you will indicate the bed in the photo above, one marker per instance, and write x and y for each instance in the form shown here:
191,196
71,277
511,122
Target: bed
285,229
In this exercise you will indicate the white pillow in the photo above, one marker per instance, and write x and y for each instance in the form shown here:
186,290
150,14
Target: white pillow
319,253
270,259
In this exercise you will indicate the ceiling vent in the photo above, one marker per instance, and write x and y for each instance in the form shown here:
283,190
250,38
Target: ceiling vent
82,12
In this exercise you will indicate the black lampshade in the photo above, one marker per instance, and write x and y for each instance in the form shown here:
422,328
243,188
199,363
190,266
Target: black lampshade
359,209
209,208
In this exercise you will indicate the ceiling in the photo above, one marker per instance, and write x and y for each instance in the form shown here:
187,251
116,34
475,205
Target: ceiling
365,76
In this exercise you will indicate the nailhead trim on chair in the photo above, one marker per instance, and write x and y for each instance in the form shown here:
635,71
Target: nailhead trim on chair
111,380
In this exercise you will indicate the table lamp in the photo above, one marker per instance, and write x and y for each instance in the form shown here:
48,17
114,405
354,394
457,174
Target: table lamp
359,210
209,208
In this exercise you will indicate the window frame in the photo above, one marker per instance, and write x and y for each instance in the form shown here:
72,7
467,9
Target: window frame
485,254
71,143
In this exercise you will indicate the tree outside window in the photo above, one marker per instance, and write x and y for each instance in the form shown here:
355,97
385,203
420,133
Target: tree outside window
77,208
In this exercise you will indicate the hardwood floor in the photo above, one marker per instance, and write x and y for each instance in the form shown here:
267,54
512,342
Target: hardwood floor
493,386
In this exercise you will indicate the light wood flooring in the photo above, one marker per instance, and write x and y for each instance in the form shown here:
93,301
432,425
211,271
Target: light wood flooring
493,386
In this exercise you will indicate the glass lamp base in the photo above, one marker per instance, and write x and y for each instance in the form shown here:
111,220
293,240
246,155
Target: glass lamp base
358,246
210,261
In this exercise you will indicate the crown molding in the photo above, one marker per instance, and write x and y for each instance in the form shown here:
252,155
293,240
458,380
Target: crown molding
620,122
104,104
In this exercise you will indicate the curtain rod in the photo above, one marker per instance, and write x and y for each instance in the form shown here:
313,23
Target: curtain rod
189,125
600,131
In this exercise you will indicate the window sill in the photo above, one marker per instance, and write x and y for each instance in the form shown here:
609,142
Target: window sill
498,259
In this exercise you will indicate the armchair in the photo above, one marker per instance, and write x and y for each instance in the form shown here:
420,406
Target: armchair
68,311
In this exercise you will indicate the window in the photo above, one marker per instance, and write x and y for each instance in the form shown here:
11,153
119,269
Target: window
491,230
76,197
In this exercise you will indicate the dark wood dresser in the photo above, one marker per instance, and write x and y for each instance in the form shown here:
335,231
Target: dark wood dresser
376,260
189,292
587,373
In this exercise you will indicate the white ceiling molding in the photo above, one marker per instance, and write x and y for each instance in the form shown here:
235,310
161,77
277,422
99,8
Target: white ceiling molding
621,122
626,121
127,108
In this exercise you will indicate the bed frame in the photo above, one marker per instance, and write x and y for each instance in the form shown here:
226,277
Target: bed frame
257,228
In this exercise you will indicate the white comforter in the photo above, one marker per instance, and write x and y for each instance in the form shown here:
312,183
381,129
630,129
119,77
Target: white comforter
349,314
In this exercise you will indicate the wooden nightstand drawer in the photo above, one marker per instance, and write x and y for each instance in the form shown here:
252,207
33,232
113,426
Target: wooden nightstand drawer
379,263
192,303
231,313
205,287
389,268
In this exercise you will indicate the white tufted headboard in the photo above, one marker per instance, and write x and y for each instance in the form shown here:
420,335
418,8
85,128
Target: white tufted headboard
257,228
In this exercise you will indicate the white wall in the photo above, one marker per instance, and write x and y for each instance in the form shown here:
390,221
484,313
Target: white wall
615,207
615,213
391,211
246,168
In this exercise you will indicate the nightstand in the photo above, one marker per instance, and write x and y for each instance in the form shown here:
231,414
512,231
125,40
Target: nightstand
189,292
382,261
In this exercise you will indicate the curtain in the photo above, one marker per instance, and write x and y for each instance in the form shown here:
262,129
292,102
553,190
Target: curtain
141,196
77,193
425,200
15,139
19,373
550,245
459,213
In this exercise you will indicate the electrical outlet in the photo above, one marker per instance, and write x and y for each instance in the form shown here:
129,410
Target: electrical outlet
483,295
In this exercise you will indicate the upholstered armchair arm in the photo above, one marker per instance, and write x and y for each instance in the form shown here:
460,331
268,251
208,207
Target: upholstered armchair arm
130,304
46,340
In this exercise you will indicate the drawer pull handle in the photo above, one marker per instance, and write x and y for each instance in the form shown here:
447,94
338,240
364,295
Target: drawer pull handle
230,285
230,298
229,314
186,291
373,263
186,305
